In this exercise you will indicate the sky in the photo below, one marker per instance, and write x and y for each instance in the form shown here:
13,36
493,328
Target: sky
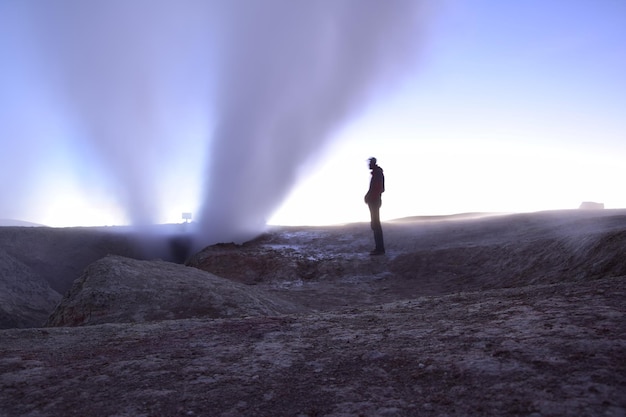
514,107
495,107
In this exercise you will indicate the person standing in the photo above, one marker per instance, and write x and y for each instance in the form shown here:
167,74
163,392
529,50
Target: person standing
374,201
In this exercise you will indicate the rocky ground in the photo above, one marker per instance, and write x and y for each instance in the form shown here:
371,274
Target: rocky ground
519,315
39,264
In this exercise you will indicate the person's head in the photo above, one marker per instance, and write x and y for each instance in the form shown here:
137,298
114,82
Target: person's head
372,162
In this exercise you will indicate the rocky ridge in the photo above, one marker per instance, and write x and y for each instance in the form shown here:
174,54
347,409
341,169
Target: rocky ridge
514,315
115,289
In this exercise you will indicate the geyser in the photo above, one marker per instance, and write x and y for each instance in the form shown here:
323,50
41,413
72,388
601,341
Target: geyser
291,73
136,95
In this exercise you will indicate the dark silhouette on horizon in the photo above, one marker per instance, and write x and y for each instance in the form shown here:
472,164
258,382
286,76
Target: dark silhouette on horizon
373,200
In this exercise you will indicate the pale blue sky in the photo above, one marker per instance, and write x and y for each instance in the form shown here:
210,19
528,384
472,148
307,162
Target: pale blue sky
510,106
514,106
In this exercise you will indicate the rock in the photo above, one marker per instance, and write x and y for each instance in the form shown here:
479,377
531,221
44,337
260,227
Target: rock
116,289
59,255
52,258
25,298
487,353
512,315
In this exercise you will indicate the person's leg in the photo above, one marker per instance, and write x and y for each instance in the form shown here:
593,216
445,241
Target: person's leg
378,238
377,227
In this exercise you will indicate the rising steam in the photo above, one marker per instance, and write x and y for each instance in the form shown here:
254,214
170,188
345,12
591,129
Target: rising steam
127,80
293,72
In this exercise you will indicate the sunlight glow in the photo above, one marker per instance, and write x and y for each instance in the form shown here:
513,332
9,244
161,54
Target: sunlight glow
508,110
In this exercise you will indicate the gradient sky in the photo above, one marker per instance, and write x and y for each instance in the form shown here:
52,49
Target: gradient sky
512,106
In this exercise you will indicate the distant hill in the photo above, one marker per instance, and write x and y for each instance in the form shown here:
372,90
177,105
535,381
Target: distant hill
19,223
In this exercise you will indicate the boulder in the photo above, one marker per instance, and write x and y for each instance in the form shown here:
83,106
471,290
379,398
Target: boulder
116,289
26,299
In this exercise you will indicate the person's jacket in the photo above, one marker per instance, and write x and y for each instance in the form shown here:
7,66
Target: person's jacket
377,185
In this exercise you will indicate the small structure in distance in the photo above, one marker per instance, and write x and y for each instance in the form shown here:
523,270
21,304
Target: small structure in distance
186,217
590,205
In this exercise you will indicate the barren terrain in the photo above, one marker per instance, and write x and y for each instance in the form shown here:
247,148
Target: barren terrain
520,315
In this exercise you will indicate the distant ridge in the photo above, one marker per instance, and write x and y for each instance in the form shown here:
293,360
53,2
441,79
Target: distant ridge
19,223
459,216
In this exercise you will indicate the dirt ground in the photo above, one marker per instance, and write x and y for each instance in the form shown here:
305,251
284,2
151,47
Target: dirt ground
513,315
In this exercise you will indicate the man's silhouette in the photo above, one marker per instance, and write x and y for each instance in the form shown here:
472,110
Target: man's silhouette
374,201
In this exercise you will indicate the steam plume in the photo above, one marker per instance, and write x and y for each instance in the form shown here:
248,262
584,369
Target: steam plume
293,72
121,87
123,83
